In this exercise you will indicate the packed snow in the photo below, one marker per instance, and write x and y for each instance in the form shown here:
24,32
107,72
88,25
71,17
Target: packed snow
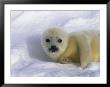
27,56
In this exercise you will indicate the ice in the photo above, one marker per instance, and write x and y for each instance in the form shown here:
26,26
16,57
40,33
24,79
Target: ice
27,56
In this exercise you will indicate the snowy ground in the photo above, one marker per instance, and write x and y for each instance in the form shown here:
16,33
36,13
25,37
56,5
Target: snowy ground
27,55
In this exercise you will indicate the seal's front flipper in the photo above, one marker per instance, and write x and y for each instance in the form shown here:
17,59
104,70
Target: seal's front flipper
64,60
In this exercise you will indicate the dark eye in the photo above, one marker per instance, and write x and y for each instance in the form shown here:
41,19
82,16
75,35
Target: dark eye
59,40
47,40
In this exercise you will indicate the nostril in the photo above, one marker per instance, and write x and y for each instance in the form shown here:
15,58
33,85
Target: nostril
53,47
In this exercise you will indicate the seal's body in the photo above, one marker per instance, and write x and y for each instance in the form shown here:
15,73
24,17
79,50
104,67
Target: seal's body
82,46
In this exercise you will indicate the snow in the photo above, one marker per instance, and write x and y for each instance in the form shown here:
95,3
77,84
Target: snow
27,56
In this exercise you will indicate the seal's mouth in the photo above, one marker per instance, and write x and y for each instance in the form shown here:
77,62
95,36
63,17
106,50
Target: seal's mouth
53,49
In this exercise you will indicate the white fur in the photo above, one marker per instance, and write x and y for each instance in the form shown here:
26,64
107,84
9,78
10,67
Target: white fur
58,33
83,38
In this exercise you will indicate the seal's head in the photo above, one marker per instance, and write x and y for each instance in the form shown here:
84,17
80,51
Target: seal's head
54,42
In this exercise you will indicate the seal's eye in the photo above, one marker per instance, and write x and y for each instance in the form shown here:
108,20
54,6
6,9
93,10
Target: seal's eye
59,40
47,40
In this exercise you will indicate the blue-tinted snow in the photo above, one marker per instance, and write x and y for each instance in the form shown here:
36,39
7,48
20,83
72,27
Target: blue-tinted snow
27,55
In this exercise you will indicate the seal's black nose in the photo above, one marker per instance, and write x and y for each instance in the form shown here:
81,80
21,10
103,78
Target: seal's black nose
53,48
